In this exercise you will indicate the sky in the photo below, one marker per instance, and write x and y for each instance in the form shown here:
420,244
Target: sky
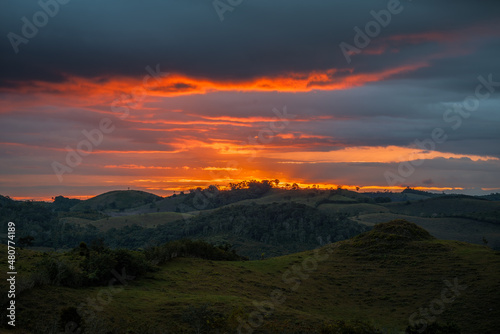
169,95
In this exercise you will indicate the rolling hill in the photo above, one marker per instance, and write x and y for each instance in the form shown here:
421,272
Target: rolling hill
448,228
272,229
450,217
117,200
448,206
384,279
146,220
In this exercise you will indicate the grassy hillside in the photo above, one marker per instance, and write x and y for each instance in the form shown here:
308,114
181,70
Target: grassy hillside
206,200
147,220
458,206
352,209
449,228
273,229
128,216
167,204
117,200
381,277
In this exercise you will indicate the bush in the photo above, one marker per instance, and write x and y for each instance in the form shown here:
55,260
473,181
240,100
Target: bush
51,270
98,266
189,248
84,267
135,264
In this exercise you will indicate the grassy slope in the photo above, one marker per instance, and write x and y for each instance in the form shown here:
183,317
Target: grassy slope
445,206
473,219
304,196
362,278
165,205
461,229
308,197
352,209
144,220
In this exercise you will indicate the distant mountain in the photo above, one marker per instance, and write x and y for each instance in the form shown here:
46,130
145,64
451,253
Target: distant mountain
117,200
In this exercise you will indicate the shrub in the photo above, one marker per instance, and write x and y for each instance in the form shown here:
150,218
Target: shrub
135,264
189,248
98,266
51,270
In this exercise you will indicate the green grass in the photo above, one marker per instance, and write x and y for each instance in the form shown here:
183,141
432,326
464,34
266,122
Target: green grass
363,278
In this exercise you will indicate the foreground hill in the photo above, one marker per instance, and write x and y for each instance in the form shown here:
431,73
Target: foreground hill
392,276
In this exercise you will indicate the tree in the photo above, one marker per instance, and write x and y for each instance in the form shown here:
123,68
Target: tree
485,241
213,188
98,245
26,241
83,249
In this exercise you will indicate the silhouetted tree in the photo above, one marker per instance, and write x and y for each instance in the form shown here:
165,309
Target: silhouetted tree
26,241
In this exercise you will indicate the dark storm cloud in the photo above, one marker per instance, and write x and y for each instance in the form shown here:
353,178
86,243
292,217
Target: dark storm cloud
258,38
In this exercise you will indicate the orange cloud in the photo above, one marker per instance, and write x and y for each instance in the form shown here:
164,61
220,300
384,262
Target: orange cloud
178,84
390,154
136,167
